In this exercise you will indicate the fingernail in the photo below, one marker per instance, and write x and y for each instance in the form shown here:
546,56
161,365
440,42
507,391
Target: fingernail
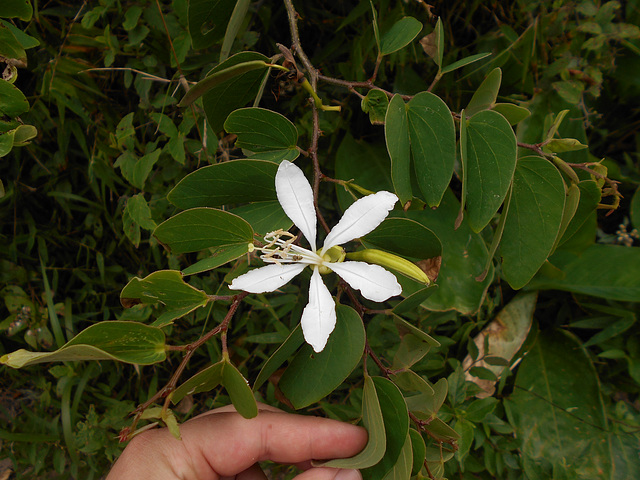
346,474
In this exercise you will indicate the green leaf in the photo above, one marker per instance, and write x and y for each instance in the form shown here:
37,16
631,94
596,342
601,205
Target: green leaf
373,421
12,101
533,220
284,351
404,465
491,162
433,144
311,376
25,41
607,271
485,96
219,77
375,103
266,134
136,170
400,35
464,62
218,257
590,195
264,217
166,287
396,426
404,237
559,426
419,451
233,27
236,181
236,82
140,212
208,21
414,300
128,342
376,31
570,207
239,391
16,8
203,381
405,328
410,381
513,113
410,351
200,228
10,46
23,134
396,132
479,409
463,256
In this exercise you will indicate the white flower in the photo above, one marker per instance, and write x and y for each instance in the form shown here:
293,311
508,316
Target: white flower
288,260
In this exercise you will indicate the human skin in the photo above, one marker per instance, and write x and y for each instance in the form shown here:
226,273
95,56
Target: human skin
222,445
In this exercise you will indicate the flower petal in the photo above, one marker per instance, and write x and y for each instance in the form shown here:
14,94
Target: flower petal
266,279
362,217
319,316
373,281
296,198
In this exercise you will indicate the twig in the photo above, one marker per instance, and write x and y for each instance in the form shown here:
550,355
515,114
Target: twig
295,38
127,69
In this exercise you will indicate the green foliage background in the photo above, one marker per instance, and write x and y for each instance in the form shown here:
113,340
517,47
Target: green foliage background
81,198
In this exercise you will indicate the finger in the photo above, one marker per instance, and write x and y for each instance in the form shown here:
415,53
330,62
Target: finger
280,437
230,408
323,473
254,472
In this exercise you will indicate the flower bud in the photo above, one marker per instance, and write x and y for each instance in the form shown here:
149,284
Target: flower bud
389,260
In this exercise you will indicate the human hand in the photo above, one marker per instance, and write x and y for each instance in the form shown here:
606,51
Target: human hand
221,444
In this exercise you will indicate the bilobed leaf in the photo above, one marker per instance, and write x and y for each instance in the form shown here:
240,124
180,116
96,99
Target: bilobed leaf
570,207
218,257
311,376
607,271
485,96
128,342
396,133
410,351
267,134
373,421
236,181
239,391
375,103
12,101
559,426
200,228
208,21
139,210
433,145
405,328
23,134
203,381
242,75
167,288
396,426
533,220
400,35
491,161
561,145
